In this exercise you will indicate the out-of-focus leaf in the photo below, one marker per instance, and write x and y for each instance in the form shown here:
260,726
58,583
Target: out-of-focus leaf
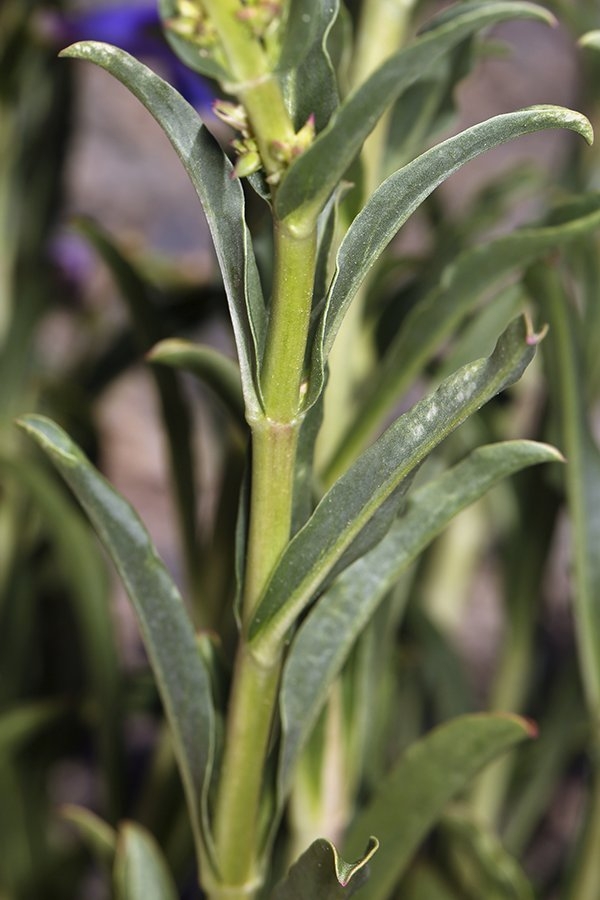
311,87
359,508
590,39
97,834
314,175
482,866
20,725
221,195
321,873
582,475
149,327
140,871
188,52
423,883
301,29
84,572
428,775
182,677
398,197
211,367
435,318
324,641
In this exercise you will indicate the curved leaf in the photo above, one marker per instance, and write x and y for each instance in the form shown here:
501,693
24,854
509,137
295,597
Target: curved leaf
182,677
325,639
436,317
221,195
321,873
428,775
398,197
140,871
211,367
365,499
99,836
315,174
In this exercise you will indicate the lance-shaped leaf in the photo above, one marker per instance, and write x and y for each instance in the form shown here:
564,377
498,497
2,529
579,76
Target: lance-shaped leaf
310,86
398,197
210,366
364,498
436,317
325,639
583,471
315,174
221,195
433,771
321,873
182,677
140,871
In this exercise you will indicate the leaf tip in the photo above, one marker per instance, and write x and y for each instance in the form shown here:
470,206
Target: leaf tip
49,436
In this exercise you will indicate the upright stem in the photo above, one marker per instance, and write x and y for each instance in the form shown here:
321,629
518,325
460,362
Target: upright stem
253,82
253,698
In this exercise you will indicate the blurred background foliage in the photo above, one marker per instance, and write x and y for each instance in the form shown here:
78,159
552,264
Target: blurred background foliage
103,253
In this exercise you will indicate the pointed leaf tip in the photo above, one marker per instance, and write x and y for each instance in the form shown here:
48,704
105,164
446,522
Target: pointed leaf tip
49,436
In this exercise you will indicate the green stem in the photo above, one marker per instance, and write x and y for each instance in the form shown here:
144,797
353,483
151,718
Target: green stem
283,366
254,83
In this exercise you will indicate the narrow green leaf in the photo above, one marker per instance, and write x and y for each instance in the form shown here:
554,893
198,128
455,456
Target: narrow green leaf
311,87
182,678
221,195
436,317
365,498
482,866
97,834
85,576
301,30
211,367
564,360
398,197
433,771
321,874
315,174
325,639
197,58
140,871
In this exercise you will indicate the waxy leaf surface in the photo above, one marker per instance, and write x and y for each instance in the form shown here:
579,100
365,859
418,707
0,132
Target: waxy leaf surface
325,639
410,800
316,173
365,499
321,873
182,677
400,195
436,317
221,195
